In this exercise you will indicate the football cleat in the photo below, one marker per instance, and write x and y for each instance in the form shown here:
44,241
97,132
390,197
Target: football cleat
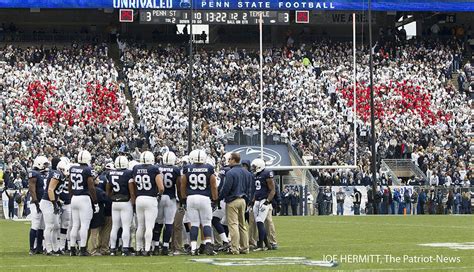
126,252
202,248
32,252
165,251
224,247
83,252
113,252
195,252
156,251
209,250
73,252
148,253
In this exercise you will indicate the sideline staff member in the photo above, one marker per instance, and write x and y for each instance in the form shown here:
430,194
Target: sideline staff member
237,187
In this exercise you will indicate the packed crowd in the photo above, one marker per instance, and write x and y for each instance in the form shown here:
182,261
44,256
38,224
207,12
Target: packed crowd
308,101
60,100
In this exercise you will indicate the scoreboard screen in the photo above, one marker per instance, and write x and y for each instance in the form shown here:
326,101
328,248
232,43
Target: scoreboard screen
209,17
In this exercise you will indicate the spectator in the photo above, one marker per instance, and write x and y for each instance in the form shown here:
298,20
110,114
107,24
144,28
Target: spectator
340,197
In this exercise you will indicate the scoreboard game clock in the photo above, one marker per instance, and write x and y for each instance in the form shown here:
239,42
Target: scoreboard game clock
210,17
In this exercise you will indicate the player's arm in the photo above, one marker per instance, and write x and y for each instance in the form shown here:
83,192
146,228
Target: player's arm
133,190
184,183
159,183
271,186
214,193
178,186
69,186
32,189
108,189
91,185
52,185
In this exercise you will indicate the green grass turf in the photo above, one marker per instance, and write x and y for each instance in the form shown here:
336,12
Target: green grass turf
311,237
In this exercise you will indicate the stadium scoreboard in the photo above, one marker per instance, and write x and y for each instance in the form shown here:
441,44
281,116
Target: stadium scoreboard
211,17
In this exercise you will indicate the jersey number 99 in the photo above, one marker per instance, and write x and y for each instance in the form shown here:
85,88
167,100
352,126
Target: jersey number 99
197,182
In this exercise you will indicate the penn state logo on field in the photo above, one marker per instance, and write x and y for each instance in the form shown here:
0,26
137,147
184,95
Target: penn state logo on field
270,156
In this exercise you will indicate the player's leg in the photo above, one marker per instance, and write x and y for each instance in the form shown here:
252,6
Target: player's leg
140,224
48,214
205,213
169,213
260,213
158,227
193,216
85,214
151,212
217,217
65,221
116,224
35,225
270,227
253,234
126,215
76,223
55,233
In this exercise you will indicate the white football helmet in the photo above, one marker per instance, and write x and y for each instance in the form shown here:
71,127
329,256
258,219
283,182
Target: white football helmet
109,166
211,161
121,162
66,159
185,160
41,163
198,156
132,164
169,158
226,158
147,158
258,165
84,157
63,166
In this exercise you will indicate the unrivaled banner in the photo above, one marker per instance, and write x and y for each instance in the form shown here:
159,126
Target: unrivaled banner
378,5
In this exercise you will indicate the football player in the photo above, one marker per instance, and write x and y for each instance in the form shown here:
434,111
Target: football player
50,207
218,215
36,188
65,214
149,186
82,191
198,186
167,206
264,193
121,189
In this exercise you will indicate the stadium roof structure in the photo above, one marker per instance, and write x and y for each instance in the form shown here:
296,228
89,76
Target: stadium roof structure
352,5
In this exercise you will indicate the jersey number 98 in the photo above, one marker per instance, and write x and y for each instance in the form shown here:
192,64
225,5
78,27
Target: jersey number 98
143,182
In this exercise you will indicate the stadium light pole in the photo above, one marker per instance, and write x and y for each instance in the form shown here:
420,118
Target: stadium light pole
190,87
372,115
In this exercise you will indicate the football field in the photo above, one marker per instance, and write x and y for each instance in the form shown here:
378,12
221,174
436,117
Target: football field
379,243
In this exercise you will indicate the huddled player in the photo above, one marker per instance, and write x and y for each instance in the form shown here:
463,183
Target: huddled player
145,198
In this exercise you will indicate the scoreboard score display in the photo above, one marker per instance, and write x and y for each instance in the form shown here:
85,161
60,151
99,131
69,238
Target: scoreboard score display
210,17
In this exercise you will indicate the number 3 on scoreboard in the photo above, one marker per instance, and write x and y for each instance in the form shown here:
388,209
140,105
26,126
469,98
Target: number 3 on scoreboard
148,16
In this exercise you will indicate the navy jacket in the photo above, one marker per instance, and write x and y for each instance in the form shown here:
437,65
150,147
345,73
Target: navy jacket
238,184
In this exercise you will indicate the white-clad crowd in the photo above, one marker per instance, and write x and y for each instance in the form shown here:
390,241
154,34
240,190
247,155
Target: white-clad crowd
38,84
307,93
